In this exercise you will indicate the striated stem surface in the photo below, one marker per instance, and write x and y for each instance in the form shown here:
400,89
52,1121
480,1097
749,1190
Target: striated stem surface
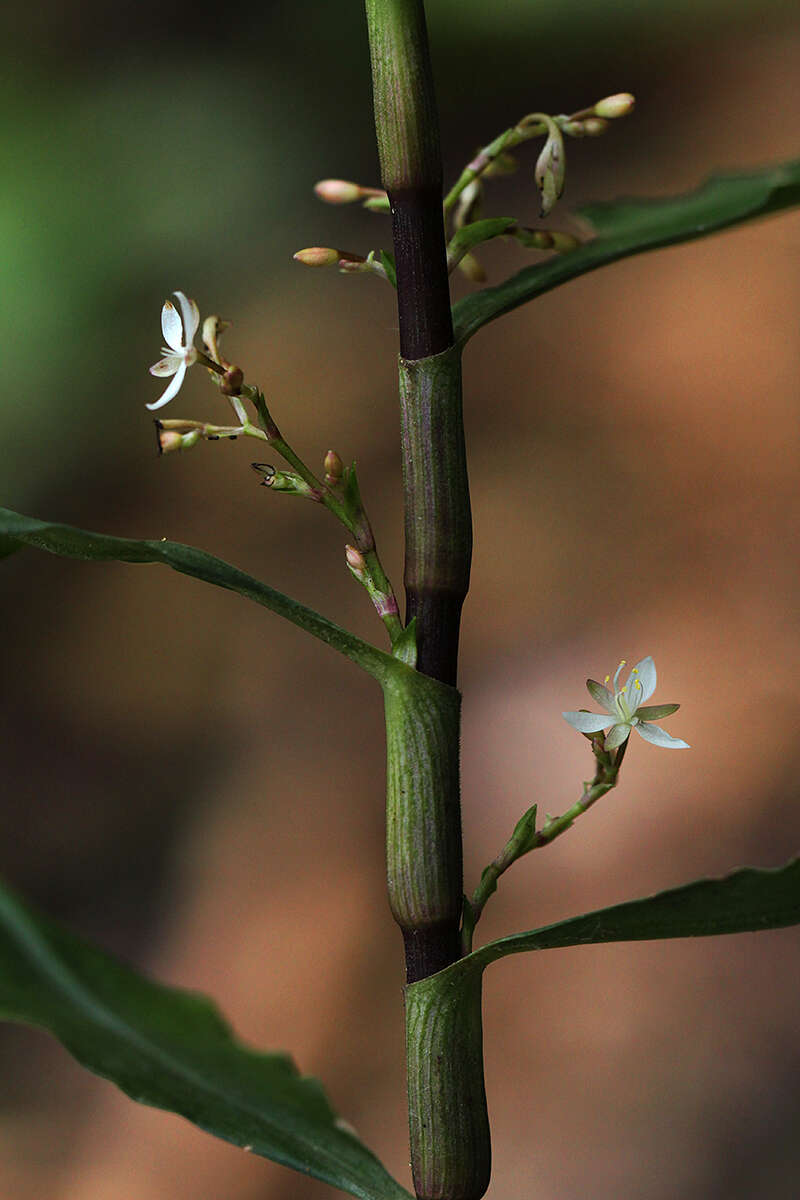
450,1145
423,820
447,1109
438,518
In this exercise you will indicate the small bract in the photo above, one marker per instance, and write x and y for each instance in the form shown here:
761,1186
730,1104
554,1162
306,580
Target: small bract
179,352
625,709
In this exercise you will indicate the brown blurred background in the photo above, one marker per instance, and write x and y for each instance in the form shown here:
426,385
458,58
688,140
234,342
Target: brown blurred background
198,786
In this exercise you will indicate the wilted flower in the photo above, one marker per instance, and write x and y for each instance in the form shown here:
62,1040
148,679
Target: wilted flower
179,352
625,709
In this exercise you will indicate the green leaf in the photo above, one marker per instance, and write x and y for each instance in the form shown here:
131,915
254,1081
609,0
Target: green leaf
379,204
405,645
387,261
16,529
351,493
628,227
171,1049
523,839
748,900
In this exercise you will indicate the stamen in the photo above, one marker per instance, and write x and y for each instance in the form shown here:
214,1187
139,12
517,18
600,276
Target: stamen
605,681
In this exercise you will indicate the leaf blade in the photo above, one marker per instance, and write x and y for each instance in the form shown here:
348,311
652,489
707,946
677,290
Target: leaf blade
172,1050
628,227
747,900
70,542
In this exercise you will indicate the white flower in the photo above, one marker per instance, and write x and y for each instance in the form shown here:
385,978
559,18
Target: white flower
625,711
179,352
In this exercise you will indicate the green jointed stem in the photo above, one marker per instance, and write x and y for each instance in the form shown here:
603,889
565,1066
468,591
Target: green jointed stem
450,1143
423,819
449,1128
438,519
406,125
407,132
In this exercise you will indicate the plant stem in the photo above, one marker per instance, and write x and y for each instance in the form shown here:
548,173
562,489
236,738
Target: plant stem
447,1110
407,130
437,514
438,520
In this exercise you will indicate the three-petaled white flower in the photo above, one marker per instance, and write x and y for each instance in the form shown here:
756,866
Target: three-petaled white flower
179,352
625,709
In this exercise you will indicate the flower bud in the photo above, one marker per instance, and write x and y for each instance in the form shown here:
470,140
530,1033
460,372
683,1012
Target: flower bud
318,256
232,381
356,562
337,191
333,468
594,126
170,440
469,204
615,106
550,167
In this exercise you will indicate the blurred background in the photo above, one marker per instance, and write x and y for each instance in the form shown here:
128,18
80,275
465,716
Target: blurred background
198,786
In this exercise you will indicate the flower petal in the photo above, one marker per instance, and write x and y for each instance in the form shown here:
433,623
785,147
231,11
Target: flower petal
646,674
172,390
616,736
652,712
166,366
602,695
191,318
171,326
656,735
586,722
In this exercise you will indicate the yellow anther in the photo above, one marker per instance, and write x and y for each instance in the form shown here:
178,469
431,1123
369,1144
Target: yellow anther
606,679
639,684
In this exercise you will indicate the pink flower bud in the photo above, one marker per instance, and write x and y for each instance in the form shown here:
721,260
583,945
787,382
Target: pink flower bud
168,441
338,191
356,562
318,256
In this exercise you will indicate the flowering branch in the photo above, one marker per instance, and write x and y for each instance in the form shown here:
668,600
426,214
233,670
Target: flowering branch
339,492
587,122
527,837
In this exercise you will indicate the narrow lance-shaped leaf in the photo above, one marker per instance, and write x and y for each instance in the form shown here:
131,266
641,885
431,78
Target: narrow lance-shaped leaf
745,901
171,1049
628,227
18,530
